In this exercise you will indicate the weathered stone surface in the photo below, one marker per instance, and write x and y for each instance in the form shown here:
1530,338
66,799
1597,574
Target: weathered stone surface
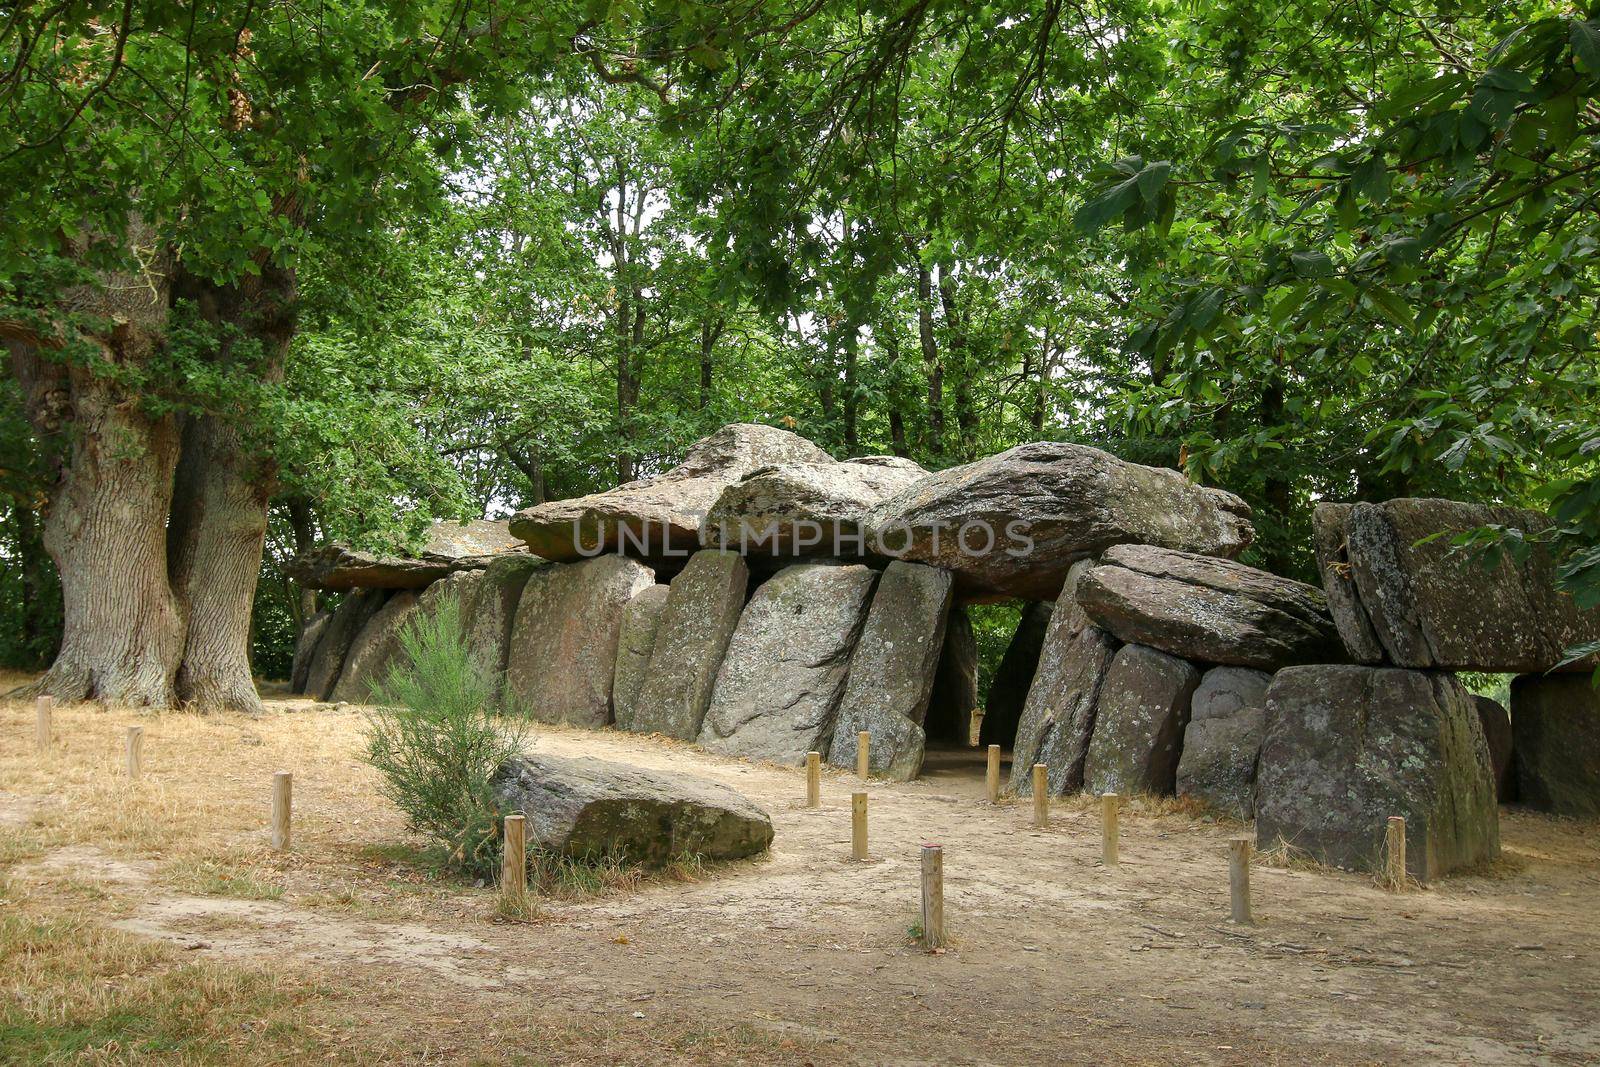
1555,727
1058,718
955,684
1206,609
374,648
777,693
589,808
702,611
1138,727
892,671
1433,605
563,650
1070,501
486,603
347,620
451,546
1008,690
652,517
1227,719
1328,524
305,647
1497,735
799,509
641,622
1347,747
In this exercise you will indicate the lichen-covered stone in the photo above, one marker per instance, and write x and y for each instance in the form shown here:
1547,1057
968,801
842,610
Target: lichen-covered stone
892,671
702,609
591,809
1209,610
1347,747
563,650
777,692
801,509
305,647
1058,718
955,684
1555,727
1138,726
1227,720
450,546
1008,689
641,622
373,650
343,626
1328,525
1013,524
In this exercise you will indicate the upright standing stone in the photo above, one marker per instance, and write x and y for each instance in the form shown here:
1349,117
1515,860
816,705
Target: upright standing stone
374,649
1227,720
564,638
305,647
1347,747
955,684
1329,523
641,622
1058,718
1555,727
1138,728
777,693
347,620
702,610
1497,733
490,607
892,672
1008,690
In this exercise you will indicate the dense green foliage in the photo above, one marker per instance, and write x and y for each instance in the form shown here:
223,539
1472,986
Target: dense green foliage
1322,250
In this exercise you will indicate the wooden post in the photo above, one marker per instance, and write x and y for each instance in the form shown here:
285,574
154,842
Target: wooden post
858,826
863,760
282,788
813,779
1041,795
514,861
1395,869
135,751
992,779
43,708
932,896
1239,879
1108,829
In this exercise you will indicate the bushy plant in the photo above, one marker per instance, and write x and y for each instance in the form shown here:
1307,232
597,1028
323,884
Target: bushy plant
436,739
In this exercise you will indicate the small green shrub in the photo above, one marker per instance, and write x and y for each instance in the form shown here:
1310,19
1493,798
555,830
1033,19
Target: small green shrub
435,738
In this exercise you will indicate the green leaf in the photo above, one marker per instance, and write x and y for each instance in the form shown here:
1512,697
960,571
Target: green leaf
1585,38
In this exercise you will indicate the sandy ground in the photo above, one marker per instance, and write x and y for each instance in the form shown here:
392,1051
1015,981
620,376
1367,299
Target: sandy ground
1054,958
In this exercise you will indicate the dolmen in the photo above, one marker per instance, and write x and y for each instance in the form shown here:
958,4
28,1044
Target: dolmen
764,600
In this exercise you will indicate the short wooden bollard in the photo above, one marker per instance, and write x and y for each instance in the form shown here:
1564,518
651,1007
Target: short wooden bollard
1239,879
282,801
813,779
858,826
135,752
1041,795
863,760
1394,872
43,709
1109,831
992,778
514,861
932,896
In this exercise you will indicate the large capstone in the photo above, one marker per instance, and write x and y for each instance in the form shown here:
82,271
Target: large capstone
450,546
305,647
658,518
702,610
1058,718
1008,689
590,809
564,638
374,649
1227,720
805,509
1347,747
777,693
1138,728
955,684
1555,726
1012,524
641,622
1210,610
340,633
1431,603
892,672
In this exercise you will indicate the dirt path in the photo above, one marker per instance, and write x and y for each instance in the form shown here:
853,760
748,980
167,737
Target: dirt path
1055,958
